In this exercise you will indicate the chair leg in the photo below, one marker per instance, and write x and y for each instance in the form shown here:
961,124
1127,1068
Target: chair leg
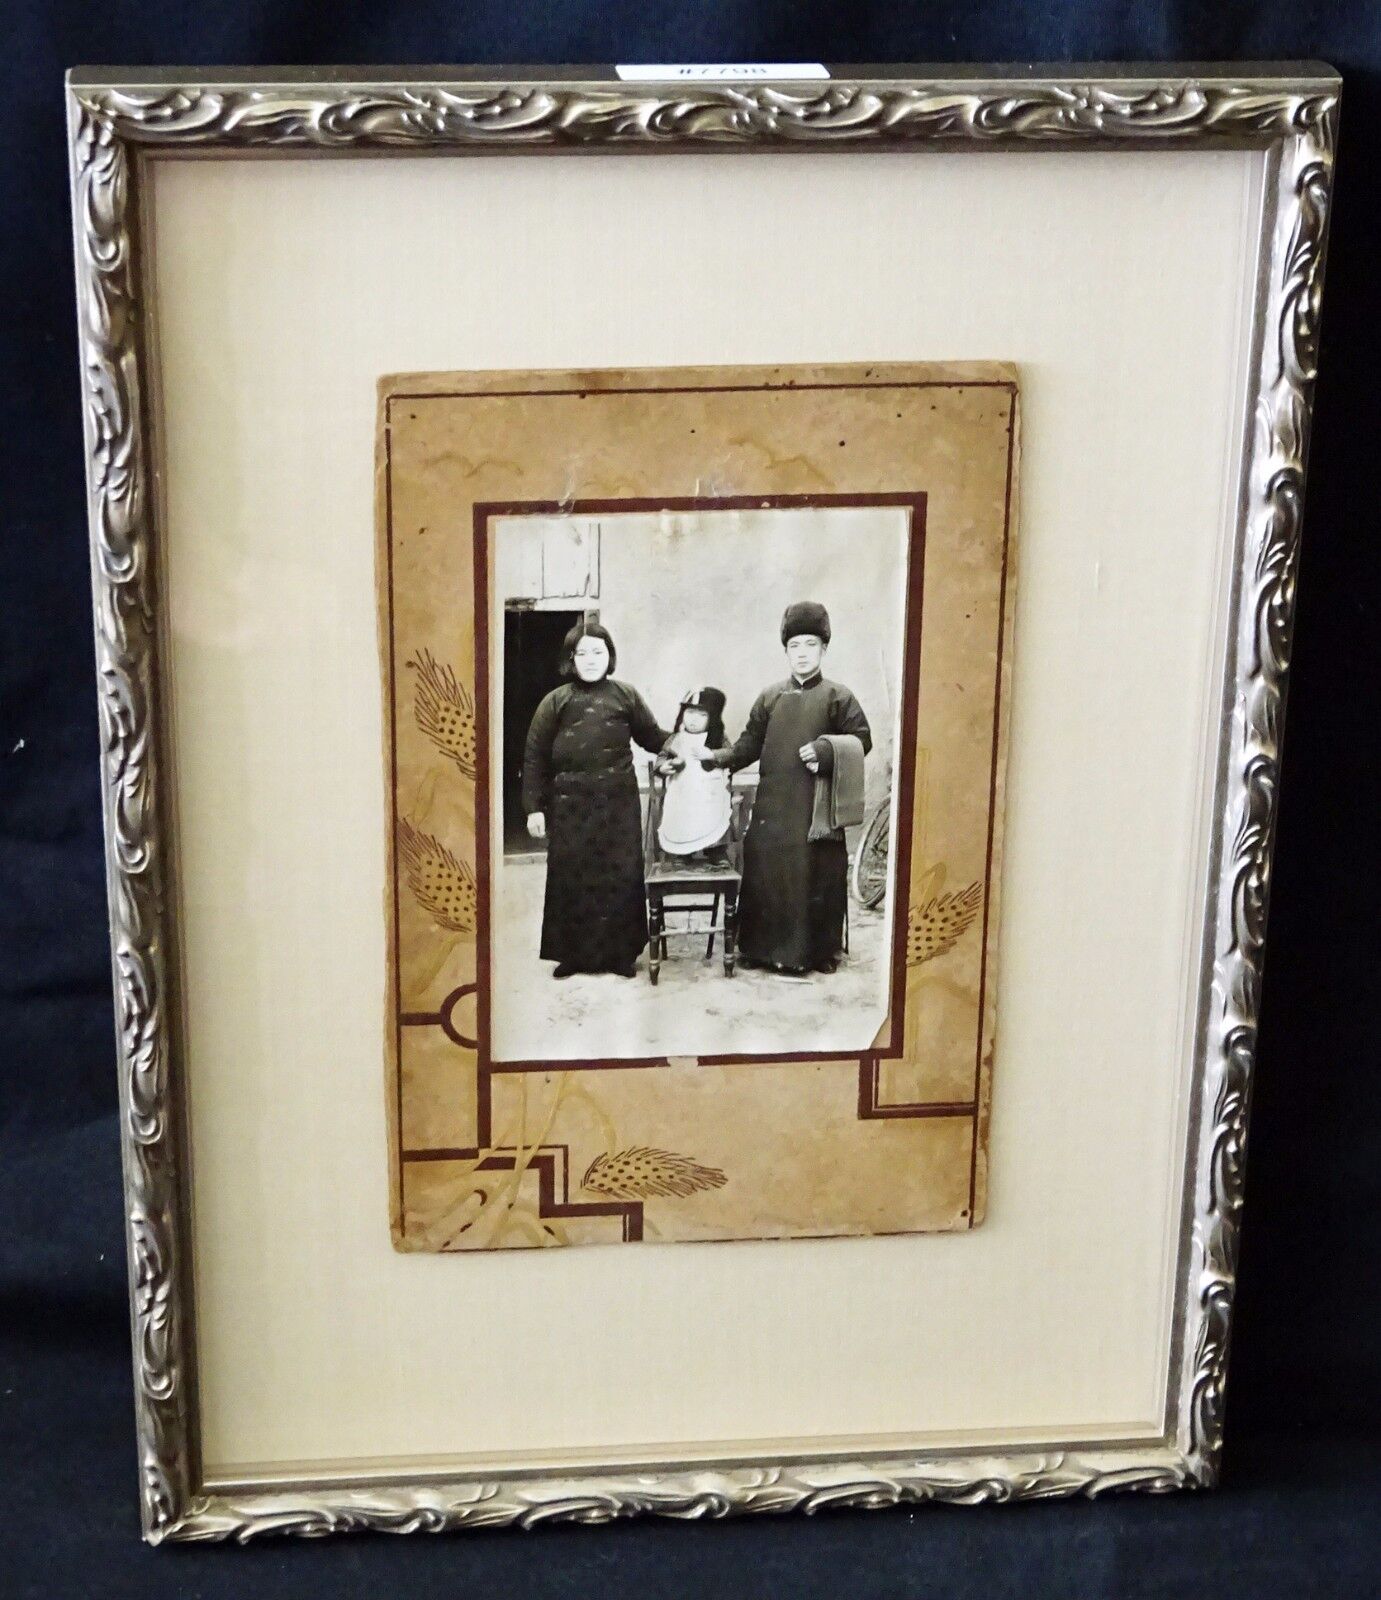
656,944
730,931
714,915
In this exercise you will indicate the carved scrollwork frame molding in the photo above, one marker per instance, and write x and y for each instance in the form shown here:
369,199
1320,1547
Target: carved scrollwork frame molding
115,125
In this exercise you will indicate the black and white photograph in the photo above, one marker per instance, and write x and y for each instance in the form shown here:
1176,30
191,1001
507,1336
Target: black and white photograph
693,716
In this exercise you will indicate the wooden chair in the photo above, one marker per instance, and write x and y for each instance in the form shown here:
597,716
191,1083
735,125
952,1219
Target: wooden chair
694,885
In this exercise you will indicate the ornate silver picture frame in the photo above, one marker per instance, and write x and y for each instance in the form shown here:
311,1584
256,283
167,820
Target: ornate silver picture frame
119,121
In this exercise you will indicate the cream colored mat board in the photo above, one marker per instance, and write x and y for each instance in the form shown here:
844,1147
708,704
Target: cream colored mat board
284,289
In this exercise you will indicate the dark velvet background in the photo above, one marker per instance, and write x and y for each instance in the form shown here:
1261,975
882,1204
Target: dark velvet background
1297,1511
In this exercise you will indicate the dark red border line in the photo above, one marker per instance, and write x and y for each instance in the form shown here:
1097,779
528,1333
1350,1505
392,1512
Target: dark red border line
484,512
480,587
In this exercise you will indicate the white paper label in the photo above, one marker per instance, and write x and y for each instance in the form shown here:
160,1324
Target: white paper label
749,69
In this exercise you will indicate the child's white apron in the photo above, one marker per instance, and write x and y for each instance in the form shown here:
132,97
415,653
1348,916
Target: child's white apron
695,811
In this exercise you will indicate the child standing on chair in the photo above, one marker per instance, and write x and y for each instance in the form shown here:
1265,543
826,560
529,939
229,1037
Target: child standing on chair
795,862
695,809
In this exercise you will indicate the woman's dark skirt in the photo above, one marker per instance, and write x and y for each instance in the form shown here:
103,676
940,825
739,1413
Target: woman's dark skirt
595,915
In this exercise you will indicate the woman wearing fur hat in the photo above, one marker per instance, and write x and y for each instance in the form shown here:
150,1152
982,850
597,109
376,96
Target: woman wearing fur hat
795,874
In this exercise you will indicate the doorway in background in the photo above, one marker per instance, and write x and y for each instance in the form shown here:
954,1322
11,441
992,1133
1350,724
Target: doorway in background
531,669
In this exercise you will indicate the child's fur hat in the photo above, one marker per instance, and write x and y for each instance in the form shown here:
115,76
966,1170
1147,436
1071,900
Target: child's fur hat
705,699
712,702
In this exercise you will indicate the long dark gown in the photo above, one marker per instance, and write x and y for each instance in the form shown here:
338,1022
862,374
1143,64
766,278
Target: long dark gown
793,899
578,770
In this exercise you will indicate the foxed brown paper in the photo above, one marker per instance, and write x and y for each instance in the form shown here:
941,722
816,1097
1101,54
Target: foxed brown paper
681,508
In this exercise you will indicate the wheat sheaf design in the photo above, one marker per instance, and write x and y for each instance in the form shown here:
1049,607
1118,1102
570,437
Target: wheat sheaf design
641,1173
442,885
445,710
933,929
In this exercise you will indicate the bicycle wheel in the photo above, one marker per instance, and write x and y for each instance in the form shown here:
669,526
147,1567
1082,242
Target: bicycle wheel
870,859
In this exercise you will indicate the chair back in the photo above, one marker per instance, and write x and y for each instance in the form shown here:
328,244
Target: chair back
741,797
656,794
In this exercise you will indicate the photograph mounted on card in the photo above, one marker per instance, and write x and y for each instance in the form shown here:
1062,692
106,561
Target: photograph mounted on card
695,689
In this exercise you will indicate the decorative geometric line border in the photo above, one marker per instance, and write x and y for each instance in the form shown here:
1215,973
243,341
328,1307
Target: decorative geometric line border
553,1190
872,1108
500,1158
1289,112
913,502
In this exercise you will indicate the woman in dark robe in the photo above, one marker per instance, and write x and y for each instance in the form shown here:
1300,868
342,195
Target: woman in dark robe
580,792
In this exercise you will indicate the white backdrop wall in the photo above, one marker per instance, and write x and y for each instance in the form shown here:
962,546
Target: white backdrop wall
698,599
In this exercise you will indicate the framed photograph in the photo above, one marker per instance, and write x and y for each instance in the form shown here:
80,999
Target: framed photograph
728,705
553,821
